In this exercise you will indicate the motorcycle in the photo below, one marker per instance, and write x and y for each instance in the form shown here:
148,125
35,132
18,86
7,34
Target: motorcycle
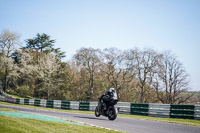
111,111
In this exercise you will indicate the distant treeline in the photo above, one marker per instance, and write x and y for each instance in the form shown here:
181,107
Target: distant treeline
36,69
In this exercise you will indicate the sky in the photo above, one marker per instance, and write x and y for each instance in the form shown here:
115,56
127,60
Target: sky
159,24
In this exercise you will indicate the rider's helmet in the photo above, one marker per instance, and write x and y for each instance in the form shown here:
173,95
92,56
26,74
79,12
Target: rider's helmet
111,90
113,93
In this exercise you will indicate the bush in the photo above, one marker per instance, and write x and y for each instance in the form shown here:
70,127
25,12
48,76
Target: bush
23,91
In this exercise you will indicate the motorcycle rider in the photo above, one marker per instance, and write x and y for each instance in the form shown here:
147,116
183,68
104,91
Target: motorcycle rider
109,98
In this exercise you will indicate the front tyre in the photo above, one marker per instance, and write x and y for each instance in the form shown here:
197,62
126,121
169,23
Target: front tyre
97,114
112,114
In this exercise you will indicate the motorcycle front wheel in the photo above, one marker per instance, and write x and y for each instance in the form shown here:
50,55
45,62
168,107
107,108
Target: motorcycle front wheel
112,114
97,114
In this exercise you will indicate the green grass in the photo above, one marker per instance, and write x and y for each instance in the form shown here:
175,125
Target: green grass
6,109
60,110
22,125
189,122
15,96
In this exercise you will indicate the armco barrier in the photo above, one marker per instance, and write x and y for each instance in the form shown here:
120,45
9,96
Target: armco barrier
124,107
139,108
156,110
74,105
84,106
182,111
17,101
26,101
57,104
93,106
21,101
65,105
49,103
31,102
2,98
197,112
43,103
11,100
159,110
37,102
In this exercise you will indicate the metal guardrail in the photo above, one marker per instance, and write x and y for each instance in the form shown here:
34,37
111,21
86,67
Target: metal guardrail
159,110
151,109
2,98
197,112
139,108
124,107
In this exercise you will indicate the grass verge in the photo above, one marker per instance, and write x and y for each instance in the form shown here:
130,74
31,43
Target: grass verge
6,109
15,96
188,122
52,109
22,125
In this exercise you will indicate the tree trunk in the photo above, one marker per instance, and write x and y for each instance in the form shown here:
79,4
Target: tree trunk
6,81
92,89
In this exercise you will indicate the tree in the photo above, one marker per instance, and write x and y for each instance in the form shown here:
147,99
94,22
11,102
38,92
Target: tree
89,60
8,43
172,80
48,71
75,83
143,64
116,71
27,68
42,51
40,43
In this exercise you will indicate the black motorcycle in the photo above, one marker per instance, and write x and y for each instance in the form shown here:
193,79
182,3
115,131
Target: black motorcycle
111,111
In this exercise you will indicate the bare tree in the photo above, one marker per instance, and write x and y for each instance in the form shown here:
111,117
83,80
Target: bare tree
89,59
8,43
116,70
172,80
143,64
73,85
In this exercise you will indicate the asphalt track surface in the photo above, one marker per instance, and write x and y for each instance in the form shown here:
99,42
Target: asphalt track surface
120,124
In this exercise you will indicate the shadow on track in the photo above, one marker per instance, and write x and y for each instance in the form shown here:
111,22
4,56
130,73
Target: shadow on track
92,118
